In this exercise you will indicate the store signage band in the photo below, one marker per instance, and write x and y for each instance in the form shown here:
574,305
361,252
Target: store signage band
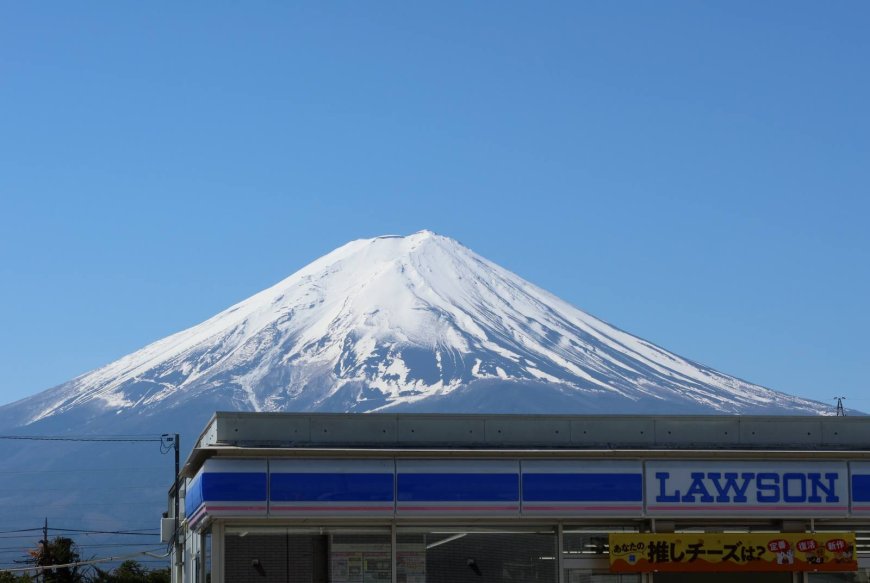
749,486
769,487
732,552
227,488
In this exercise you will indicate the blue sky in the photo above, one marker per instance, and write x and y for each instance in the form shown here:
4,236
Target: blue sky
695,173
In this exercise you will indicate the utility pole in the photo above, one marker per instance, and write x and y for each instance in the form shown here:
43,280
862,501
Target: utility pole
840,411
43,556
177,493
165,440
175,439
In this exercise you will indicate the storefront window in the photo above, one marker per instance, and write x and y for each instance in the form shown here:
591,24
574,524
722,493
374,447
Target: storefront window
453,555
287,555
206,554
360,558
585,556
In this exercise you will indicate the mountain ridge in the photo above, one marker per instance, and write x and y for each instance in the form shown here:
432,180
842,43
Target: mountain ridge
413,322
392,324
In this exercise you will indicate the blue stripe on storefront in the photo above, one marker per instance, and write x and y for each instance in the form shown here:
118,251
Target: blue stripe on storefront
860,488
329,487
586,487
233,486
458,487
193,497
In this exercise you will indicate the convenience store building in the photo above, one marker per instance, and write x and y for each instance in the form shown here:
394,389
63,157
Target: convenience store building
416,498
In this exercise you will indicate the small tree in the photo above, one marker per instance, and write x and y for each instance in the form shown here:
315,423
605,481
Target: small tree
63,551
129,572
60,551
160,576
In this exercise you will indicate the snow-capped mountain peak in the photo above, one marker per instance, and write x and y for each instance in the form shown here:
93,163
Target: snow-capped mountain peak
416,322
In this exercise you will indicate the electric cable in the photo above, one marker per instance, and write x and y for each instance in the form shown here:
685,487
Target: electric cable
42,568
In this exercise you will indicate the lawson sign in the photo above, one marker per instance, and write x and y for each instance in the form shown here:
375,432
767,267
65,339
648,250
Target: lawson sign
698,488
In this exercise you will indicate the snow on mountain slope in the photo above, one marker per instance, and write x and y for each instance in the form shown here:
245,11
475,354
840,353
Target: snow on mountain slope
404,323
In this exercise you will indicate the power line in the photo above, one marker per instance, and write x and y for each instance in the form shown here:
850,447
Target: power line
143,531
89,470
136,547
61,505
106,438
12,534
42,568
168,442
8,550
137,531
124,487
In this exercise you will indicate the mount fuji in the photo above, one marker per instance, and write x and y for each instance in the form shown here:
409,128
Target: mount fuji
415,323
391,324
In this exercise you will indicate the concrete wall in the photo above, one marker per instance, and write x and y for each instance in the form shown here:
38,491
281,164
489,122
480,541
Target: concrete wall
545,431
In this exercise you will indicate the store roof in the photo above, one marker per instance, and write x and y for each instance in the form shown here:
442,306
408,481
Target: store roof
235,433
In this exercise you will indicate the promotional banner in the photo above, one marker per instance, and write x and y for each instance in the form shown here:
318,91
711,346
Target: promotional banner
732,552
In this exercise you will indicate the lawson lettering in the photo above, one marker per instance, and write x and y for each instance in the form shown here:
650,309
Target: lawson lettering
750,487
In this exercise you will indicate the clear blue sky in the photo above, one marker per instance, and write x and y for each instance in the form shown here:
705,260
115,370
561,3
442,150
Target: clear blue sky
697,173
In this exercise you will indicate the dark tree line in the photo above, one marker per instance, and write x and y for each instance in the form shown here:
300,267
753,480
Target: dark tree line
131,572
62,550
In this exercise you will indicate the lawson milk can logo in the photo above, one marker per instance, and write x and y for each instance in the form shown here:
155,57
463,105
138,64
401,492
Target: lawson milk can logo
749,486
